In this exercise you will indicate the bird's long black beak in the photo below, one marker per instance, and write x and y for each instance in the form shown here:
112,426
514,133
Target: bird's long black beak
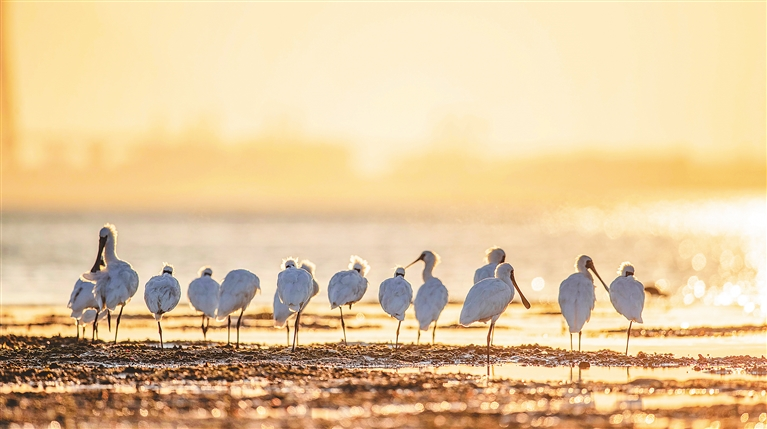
525,302
420,258
99,259
593,268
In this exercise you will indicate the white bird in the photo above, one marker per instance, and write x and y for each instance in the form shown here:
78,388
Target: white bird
294,287
82,299
431,297
627,296
89,318
117,282
237,290
203,297
161,295
493,256
395,295
281,311
348,287
488,299
576,296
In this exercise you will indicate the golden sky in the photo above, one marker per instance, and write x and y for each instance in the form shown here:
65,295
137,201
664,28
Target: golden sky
519,78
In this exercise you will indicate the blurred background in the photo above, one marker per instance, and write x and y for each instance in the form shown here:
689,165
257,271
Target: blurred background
238,134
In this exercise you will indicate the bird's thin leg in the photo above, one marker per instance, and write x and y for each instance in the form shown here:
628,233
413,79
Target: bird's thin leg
492,338
434,333
83,332
571,342
77,328
287,329
95,331
295,331
628,335
343,326
203,327
119,316
418,341
228,329
489,336
239,319
160,330
109,320
396,340
579,340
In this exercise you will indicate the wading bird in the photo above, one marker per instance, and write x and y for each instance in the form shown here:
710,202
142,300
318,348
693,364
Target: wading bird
627,296
203,297
161,295
281,312
431,297
82,298
488,299
576,296
237,290
348,287
294,289
395,295
493,256
117,282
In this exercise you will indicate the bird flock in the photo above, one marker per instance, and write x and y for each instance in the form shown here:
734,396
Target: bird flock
112,282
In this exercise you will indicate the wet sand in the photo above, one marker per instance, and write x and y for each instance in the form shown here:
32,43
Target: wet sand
50,381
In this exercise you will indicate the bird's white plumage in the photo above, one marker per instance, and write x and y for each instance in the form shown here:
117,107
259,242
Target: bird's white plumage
429,302
577,297
281,312
82,298
395,295
432,296
294,287
237,290
162,293
309,267
627,296
203,293
488,298
117,282
348,287
493,257
89,316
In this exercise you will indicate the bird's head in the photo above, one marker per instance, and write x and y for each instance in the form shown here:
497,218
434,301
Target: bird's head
359,265
399,271
205,271
626,269
167,268
289,262
495,255
428,257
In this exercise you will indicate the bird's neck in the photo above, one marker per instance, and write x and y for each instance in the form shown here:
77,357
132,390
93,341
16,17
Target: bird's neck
427,271
110,251
586,273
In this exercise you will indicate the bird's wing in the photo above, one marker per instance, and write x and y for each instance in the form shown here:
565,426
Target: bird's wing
486,299
346,287
397,298
294,287
237,290
430,300
627,296
281,312
576,300
203,295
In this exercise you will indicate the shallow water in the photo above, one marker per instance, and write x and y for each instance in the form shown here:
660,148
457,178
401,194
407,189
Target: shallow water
710,252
